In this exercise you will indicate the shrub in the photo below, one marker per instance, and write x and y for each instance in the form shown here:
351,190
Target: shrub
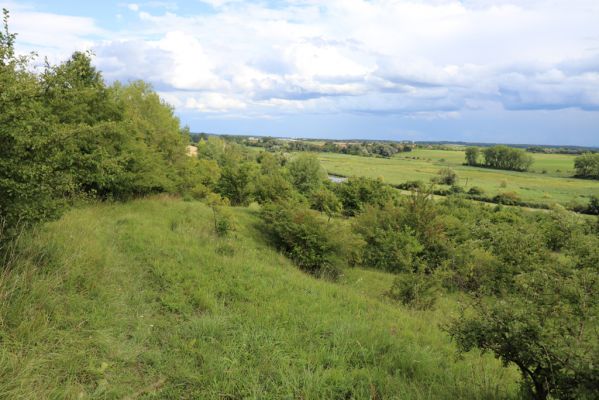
593,207
415,290
358,192
447,176
476,191
411,185
317,247
222,216
390,246
456,189
507,198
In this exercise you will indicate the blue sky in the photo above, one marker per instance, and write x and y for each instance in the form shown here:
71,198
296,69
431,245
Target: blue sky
505,71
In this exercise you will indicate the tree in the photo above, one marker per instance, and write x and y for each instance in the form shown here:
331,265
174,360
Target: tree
545,327
587,165
307,175
325,201
472,154
31,190
504,157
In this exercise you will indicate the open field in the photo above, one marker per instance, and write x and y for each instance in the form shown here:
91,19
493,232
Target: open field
421,164
142,300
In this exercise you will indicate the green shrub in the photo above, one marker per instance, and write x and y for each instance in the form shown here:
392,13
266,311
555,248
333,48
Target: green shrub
317,247
358,192
415,290
507,198
476,191
447,176
390,245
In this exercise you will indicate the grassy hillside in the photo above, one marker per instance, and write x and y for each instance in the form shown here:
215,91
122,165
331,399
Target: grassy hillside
142,300
551,187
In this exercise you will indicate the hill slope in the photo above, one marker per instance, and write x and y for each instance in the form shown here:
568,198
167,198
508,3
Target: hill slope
142,300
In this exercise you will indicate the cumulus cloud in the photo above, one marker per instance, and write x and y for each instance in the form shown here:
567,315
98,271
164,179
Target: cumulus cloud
426,59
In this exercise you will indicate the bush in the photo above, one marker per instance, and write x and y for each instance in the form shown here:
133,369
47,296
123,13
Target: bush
476,191
358,192
411,185
390,246
415,290
593,207
507,198
317,247
222,216
447,176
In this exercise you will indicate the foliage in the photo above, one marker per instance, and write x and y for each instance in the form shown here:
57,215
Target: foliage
307,175
476,191
358,192
325,201
390,245
587,165
31,189
472,155
222,216
414,290
504,157
546,328
317,247
447,176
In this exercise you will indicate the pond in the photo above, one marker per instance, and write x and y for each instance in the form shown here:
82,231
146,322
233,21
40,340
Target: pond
337,178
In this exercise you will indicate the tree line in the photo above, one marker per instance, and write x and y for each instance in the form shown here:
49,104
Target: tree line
66,135
362,148
499,157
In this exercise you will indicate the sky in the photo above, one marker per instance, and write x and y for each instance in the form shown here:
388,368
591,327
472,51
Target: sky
501,71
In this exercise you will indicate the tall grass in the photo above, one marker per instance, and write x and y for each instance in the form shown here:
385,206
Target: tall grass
143,300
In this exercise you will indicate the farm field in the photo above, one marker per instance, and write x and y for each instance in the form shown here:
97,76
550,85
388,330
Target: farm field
555,186
149,303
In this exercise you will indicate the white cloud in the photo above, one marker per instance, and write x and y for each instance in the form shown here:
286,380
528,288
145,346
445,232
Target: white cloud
428,58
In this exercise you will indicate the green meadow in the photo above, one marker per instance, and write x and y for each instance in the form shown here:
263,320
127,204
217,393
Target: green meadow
143,300
548,181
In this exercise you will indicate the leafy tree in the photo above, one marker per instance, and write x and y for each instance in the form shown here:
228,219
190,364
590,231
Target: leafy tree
587,165
236,182
472,155
31,189
356,193
325,201
546,327
504,157
307,175
75,92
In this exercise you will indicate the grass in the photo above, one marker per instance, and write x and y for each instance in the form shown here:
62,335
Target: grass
142,300
423,164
